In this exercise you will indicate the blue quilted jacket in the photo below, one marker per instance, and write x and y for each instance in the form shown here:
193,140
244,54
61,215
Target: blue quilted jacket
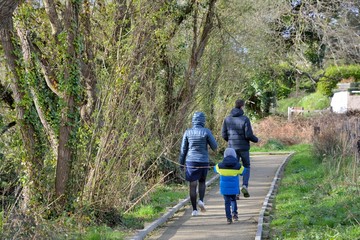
194,146
237,130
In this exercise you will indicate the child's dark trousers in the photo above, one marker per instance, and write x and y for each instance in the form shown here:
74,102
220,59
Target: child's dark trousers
230,205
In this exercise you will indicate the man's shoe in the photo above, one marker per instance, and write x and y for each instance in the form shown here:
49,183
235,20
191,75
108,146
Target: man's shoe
238,197
235,217
245,191
201,206
194,213
229,221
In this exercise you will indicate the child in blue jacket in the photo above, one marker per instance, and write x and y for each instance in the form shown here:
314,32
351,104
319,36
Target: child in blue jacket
229,170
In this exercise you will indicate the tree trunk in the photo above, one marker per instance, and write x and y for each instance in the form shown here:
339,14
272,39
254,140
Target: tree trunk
7,8
34,163
69,112
65,155
197,52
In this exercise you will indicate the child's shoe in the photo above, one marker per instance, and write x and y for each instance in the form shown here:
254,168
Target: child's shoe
229,221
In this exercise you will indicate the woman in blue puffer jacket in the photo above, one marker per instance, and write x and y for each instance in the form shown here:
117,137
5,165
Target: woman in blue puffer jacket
195,157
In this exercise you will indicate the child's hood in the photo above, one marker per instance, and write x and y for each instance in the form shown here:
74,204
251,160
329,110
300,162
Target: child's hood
229,152
230,162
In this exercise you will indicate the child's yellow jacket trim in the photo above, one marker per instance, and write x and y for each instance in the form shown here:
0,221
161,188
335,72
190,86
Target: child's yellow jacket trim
229,172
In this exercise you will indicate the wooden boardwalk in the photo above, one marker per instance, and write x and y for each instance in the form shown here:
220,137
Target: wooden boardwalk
212,224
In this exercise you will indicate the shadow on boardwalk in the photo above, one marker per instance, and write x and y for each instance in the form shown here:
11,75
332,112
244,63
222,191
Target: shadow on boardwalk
212,223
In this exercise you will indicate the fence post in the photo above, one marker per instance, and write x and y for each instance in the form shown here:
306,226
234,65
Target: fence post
289,113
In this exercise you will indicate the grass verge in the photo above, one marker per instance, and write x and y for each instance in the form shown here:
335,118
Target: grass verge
314,204
162,197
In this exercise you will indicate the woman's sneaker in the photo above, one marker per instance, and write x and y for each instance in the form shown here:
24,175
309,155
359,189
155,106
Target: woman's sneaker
229,221
194,213
201,206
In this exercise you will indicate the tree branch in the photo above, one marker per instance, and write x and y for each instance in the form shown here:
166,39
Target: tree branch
47,71
50,9
87,68
7,127
197,52
25,45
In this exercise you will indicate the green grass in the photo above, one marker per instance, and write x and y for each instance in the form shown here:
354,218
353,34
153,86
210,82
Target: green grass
312,101
156,204
100,233
283,104
274,145
310,206
315,101
160,199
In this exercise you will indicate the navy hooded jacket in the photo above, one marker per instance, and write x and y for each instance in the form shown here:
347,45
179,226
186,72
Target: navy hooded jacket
194,146
229,170
237,131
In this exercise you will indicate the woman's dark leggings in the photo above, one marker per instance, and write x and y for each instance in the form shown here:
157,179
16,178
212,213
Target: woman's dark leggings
193,186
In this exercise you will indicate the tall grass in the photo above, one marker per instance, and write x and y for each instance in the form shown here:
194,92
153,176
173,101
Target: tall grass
337,145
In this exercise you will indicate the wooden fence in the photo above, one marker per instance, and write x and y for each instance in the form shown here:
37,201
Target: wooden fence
295,111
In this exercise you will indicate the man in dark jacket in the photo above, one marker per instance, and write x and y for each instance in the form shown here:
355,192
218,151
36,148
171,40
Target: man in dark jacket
237,131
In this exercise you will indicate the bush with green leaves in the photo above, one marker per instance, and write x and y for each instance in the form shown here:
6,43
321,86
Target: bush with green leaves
334,74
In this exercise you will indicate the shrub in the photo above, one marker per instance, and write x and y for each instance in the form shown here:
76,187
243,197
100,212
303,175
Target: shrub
336,143
335,74
285,132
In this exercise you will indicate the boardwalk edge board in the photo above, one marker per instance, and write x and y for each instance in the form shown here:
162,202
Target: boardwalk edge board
272,191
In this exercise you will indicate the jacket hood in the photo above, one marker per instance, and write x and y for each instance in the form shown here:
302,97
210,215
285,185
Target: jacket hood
198,119
230,162
236,112
229,152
